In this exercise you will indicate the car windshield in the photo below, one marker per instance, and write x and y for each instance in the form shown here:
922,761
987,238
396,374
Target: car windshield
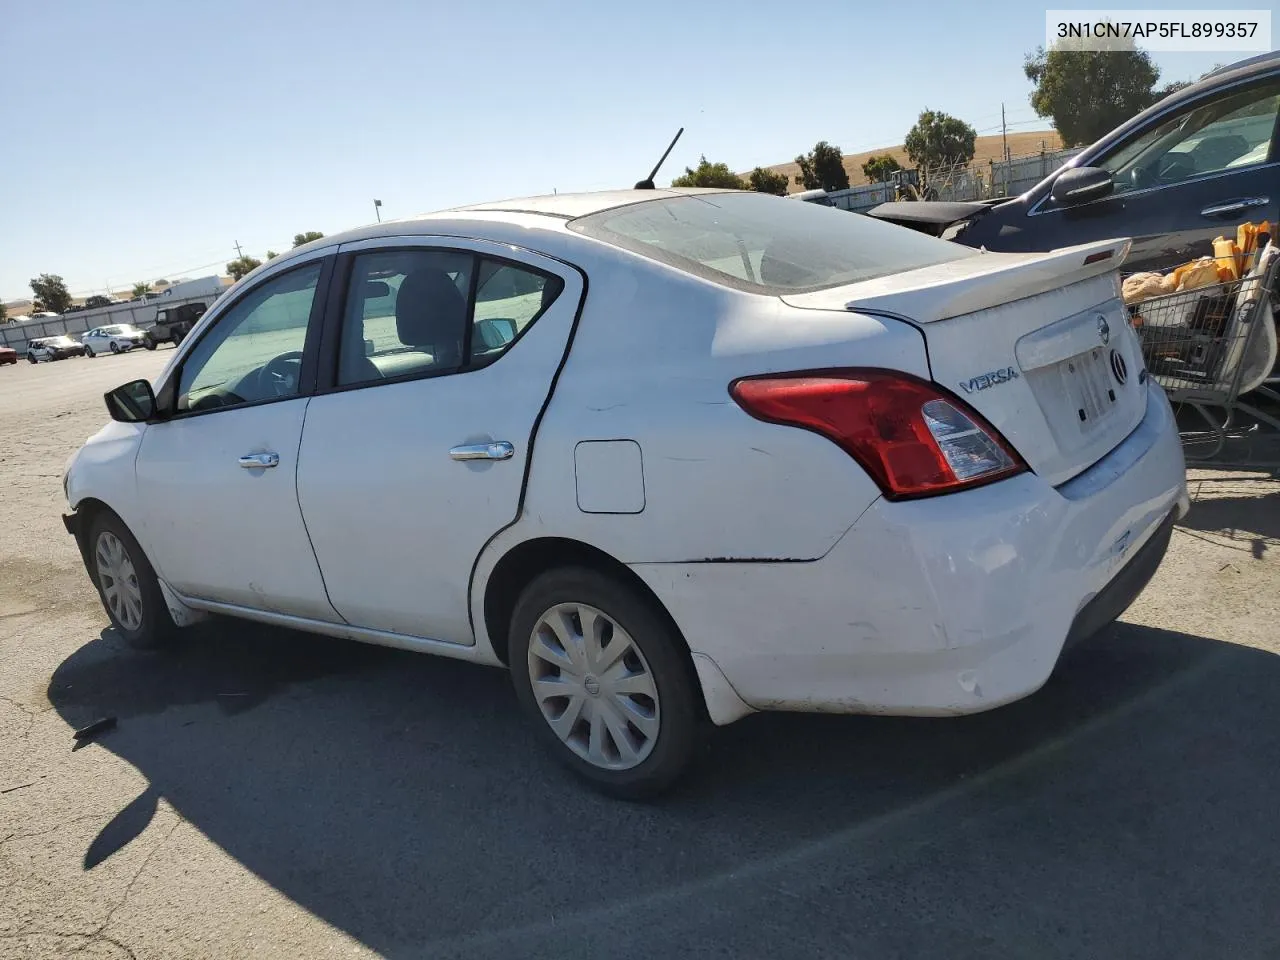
119,329
766,244
59,342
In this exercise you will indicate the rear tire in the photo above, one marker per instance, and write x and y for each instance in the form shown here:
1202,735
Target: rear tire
88,352
127,584
115,347
636,721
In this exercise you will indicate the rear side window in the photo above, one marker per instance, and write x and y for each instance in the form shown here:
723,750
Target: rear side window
766,244
423,312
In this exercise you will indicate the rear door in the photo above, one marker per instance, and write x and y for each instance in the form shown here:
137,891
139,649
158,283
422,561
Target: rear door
440,360
1182,181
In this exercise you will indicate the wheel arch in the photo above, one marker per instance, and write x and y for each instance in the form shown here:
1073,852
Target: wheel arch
526,560
87,510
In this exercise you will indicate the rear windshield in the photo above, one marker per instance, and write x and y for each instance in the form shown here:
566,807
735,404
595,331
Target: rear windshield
766,244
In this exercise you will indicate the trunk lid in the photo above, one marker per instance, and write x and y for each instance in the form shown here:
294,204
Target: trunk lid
1039,344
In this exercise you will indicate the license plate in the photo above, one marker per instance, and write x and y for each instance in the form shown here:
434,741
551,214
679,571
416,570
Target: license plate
1086,382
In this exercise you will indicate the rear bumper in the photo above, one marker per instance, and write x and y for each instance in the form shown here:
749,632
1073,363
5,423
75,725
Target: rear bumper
941,606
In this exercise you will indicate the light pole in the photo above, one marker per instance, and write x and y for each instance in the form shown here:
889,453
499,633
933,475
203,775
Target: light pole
377,209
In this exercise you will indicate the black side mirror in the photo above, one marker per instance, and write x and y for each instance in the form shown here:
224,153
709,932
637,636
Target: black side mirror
134,402
1082,185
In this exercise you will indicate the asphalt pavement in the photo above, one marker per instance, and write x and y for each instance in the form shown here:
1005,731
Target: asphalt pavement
267,793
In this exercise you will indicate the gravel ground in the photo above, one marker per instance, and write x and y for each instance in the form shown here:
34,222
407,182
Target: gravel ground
276,795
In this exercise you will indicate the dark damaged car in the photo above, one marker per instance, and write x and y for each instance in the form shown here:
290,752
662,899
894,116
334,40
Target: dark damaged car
1184,171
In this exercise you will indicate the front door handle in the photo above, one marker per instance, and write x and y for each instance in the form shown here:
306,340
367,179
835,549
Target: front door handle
260,460
497,450
1234,206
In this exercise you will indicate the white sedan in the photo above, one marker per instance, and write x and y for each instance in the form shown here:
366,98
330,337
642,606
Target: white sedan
115,337
668,456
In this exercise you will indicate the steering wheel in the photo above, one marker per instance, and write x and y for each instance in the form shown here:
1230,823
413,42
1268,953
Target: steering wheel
279,378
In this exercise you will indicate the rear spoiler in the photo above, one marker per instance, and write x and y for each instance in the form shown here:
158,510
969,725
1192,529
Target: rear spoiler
971,283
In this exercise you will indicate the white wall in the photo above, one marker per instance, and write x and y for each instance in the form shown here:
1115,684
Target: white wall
142,315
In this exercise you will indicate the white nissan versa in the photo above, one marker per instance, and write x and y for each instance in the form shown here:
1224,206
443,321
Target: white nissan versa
668,455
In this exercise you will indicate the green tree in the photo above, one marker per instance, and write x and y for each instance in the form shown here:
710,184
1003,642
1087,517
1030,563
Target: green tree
141,288
271,254
823,167
939,138
238,267
881,168
300,238
4,313
161,283
709,174
1090,92
763,180
51,293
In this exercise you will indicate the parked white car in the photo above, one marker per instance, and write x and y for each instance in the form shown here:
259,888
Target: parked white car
115,337
669,455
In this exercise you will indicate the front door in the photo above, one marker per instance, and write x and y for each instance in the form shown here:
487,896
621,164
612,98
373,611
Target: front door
216,482
415,456
1184,181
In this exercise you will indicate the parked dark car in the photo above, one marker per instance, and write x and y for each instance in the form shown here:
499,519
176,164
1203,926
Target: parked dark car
174,323
8,355
1184,171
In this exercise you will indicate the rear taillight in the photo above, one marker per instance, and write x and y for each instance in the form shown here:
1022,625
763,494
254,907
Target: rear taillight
913,438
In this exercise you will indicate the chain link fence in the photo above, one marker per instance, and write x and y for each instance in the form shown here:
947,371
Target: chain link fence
965,181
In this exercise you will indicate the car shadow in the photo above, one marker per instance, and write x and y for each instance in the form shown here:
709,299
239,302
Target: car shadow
1128,808
1248,517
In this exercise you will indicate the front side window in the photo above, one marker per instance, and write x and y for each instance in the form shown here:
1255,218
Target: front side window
410,312
765,244
1225,134
254,351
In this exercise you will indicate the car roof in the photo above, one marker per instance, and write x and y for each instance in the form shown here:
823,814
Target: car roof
570,205
549,211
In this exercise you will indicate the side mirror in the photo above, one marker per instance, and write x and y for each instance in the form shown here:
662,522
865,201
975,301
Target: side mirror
496,332
1082,185
134,402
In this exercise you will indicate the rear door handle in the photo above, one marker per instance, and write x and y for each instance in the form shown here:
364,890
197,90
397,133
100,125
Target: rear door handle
498,450
260,460
1234,206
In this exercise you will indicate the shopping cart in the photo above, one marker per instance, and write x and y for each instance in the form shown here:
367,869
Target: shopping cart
1203,346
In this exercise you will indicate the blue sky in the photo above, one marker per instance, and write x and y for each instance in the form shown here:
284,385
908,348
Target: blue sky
142,139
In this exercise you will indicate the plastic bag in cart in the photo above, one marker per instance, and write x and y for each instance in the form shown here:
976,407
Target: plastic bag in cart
1259,358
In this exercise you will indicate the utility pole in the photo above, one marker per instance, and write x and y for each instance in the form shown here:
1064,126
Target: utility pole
239,255
1004,134
377,209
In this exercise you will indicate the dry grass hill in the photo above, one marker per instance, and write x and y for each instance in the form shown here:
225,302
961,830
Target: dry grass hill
985,149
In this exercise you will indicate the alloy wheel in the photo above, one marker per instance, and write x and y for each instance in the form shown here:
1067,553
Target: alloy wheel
119,580
593,686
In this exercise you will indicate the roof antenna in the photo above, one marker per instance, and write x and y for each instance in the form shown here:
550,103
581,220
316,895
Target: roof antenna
647,183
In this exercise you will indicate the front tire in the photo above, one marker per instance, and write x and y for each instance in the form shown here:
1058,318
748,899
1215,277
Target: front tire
31,358
127,585
150,344
605,679
88,352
